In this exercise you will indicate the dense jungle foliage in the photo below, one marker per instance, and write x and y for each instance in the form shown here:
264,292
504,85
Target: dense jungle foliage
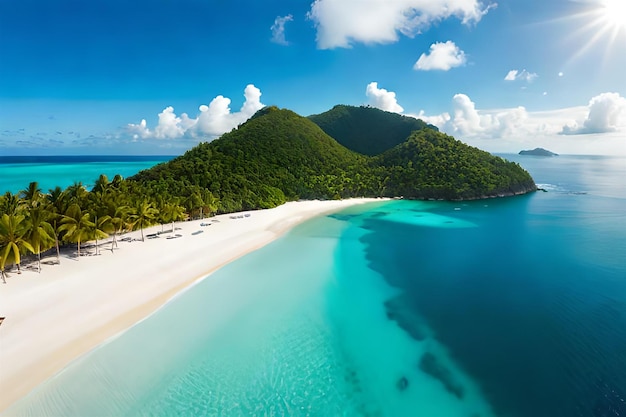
434,165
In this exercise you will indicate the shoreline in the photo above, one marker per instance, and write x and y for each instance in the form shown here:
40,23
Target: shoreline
58,315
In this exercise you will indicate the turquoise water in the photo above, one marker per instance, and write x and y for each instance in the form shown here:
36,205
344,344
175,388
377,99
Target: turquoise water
502,307
16,172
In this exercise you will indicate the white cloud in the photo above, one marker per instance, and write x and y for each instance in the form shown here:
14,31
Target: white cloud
513,129
169,126
382,99
213,120
442,56
605,113
340,23
466,121
523,75
139,130
278,29
510,128
511,75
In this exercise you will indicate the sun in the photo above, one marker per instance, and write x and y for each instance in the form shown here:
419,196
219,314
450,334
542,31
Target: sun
614,13
597,25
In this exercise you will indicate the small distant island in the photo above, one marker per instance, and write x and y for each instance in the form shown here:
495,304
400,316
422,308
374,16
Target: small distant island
538,152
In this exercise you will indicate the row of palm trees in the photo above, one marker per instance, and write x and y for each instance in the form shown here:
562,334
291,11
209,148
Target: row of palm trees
33,222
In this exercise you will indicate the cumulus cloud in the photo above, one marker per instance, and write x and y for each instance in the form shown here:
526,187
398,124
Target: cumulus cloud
511,129
605,113
213,120
466,121
442,56
382,99
523,75
341,23
278,29
139,130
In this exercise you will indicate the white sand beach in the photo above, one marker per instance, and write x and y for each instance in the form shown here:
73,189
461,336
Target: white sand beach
55,316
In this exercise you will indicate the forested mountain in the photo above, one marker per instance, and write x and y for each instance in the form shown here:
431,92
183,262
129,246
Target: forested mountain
367,130
278,155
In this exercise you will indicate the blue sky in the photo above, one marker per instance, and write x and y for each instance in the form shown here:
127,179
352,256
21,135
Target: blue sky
157,77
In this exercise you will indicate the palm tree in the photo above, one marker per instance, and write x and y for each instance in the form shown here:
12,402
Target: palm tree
171,212
108,205
32,195
209,202
118,221
57,198
102,225
102,184
76,225
39,232
76,193
143,215
9,203
12,242
193,202
57,205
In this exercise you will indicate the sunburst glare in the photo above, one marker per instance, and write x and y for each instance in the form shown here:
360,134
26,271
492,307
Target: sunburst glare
614,13
600,24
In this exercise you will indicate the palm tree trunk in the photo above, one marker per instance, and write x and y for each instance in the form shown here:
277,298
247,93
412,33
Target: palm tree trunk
2,273
56,240
39,262
79,249
142,234
96,234
56,243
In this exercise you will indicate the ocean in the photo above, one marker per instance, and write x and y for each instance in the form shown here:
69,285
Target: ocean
16,172
511,307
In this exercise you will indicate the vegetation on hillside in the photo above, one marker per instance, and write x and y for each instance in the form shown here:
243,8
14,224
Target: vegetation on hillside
367,130
434,165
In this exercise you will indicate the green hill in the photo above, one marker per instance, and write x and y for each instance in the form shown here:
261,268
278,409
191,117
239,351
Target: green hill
434,165
278,156
367,130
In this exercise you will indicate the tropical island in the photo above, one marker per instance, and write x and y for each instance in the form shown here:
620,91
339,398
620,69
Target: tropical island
274,157
538,152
